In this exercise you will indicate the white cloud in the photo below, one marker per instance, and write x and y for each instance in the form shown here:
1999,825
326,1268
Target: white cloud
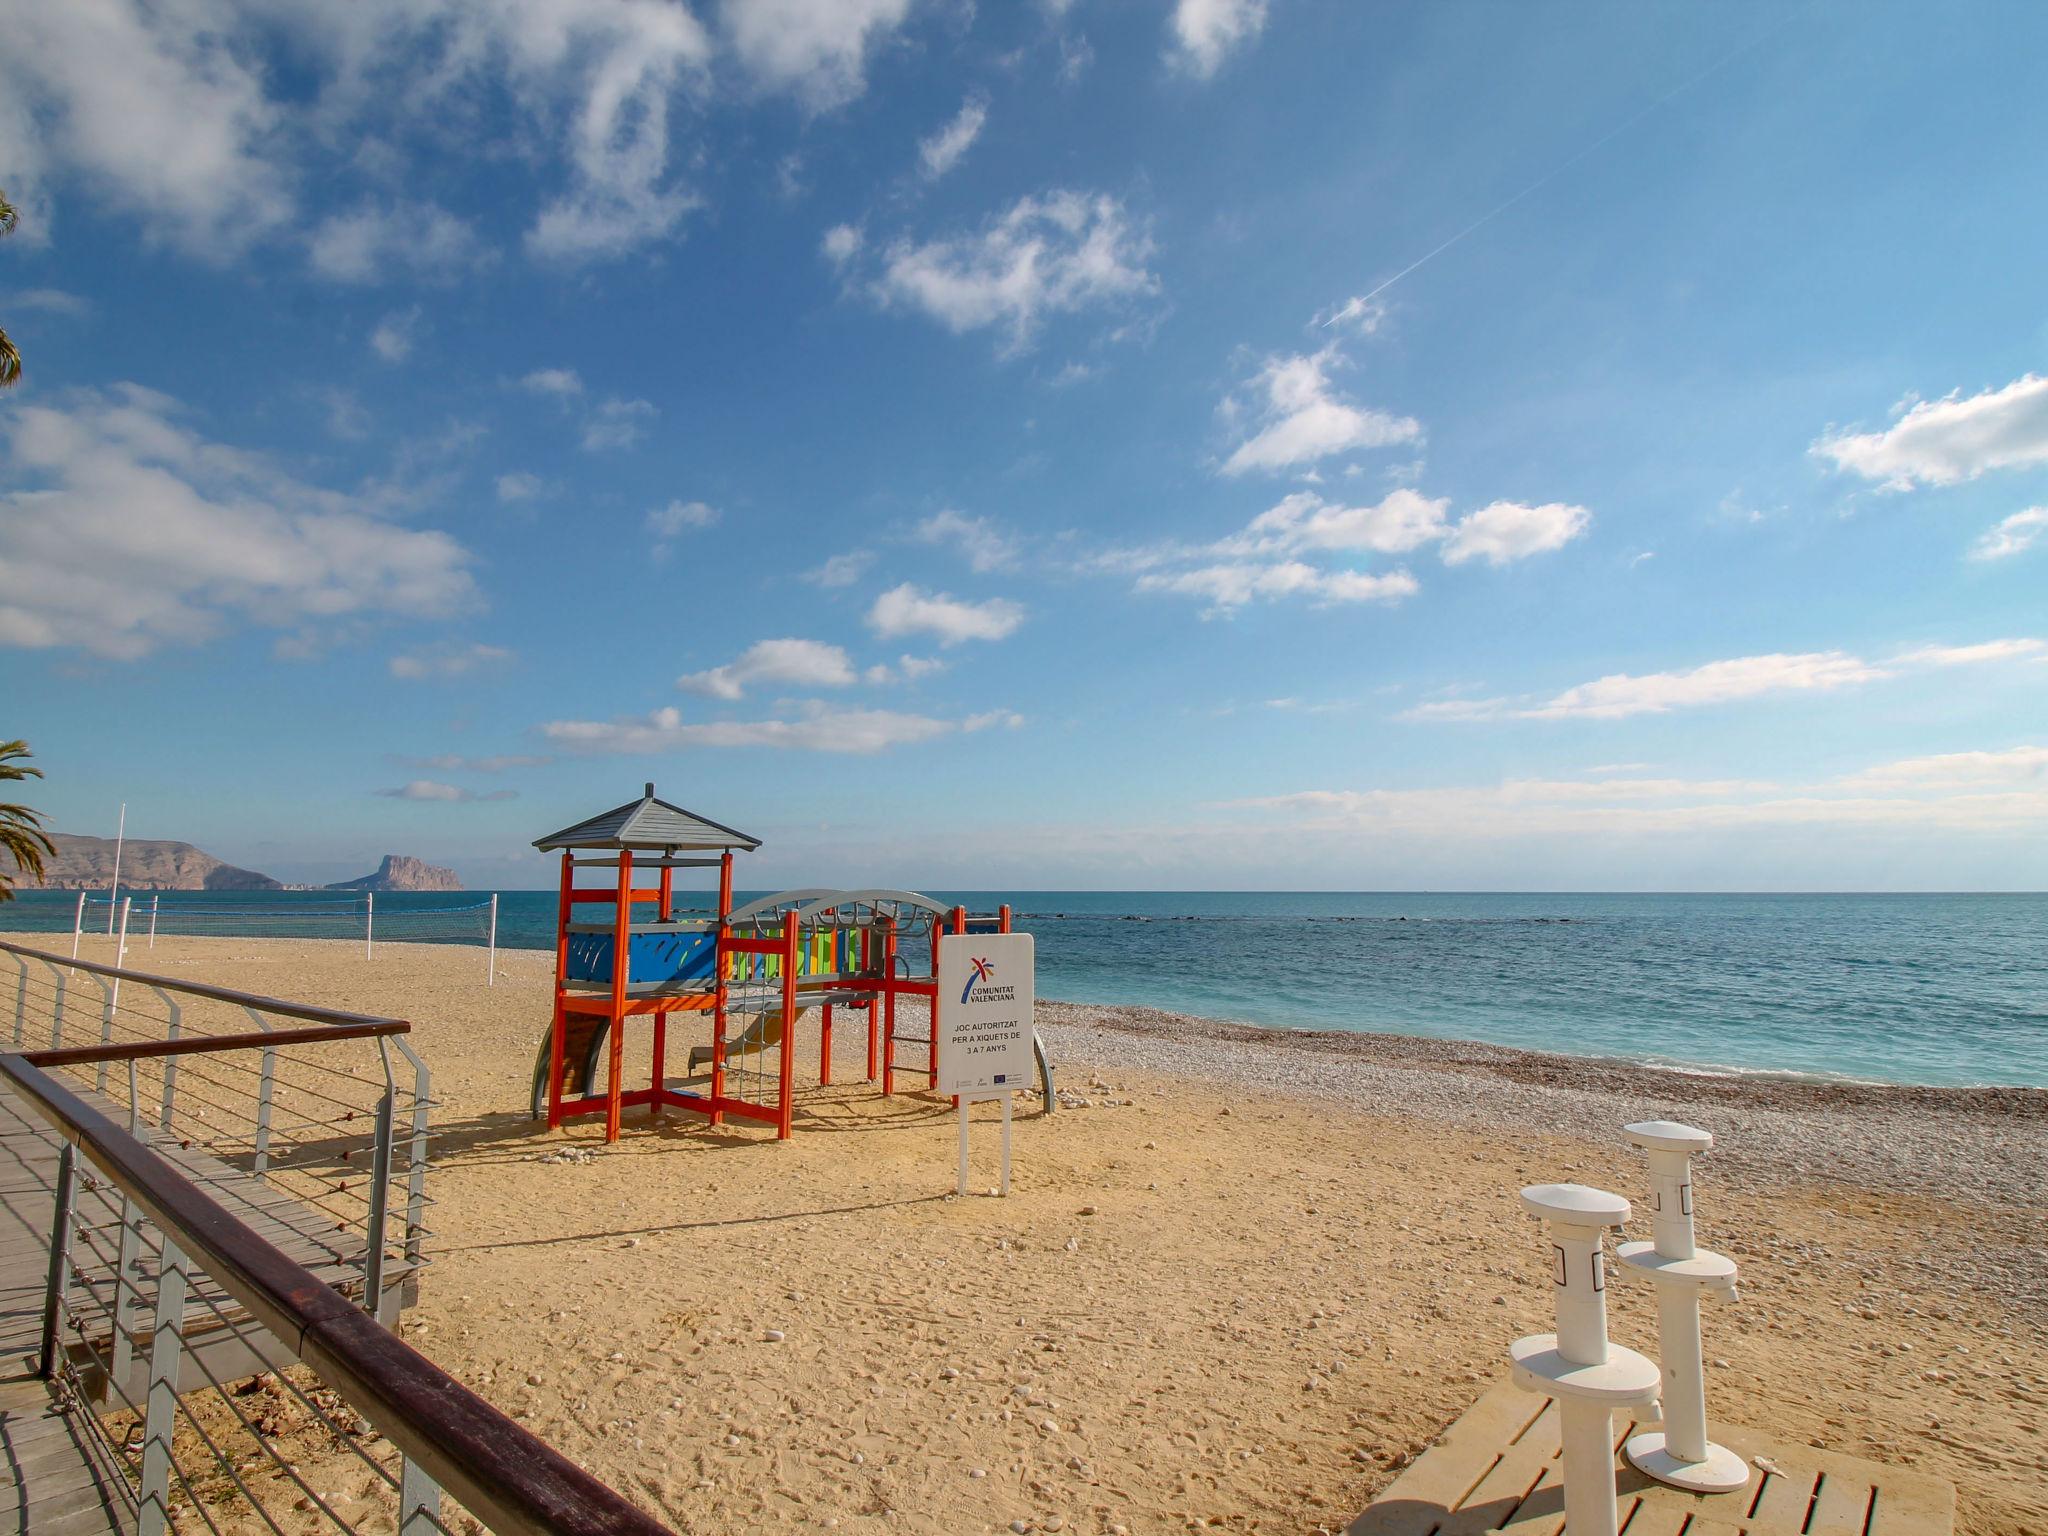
1232,585
1302,417
816,48
977,540
1205,32
671,522
816,728
617,423
1942,442
841,570
1507,531
1960,770
420,239
519,486
2011,536
842,243
908,610
167,110
945,148
560,383
1984,792
1056,253
1358,314
1008,719
127,531
150,106
1971,655
908,669
797,663
448,663
392,337
1624,694
455,762
49,301
1402,520
446,794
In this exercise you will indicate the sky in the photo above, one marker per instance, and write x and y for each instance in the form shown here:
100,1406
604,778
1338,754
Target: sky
1123,444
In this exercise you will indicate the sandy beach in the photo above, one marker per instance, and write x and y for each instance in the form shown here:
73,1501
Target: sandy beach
1243,1278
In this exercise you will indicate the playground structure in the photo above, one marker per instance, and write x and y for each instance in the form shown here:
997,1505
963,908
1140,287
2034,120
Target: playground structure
757,971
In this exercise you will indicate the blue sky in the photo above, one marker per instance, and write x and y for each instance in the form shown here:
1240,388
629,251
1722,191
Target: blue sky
1094,444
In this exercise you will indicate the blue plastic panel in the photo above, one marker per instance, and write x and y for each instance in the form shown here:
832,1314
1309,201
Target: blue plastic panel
654,957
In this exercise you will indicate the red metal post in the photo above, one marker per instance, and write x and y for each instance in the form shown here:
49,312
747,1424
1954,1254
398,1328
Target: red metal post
558,1029
789,966
825,1047
1003,918
622,936
889,1006
666,910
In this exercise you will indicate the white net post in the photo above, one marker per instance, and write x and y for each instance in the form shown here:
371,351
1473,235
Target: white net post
491,975
154,903
369,923
77,924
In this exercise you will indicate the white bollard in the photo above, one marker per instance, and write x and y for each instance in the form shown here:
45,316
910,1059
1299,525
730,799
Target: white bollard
1588,1376
1680,1453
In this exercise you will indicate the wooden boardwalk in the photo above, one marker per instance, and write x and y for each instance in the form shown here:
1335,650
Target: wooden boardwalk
54,1476
1496,1469
55,1481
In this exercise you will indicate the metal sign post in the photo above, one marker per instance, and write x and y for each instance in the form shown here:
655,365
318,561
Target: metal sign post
987,986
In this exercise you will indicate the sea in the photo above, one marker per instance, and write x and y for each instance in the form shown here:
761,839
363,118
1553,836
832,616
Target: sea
1927,989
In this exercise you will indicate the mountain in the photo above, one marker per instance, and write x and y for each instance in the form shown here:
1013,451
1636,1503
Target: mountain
401,873
87,863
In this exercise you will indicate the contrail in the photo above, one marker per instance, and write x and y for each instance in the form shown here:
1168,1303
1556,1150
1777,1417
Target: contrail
1551,175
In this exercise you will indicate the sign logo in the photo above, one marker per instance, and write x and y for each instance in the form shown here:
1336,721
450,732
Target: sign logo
982,970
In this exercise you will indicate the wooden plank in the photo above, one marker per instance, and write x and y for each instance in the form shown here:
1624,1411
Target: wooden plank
1476,1464
1782,1503
1843,1507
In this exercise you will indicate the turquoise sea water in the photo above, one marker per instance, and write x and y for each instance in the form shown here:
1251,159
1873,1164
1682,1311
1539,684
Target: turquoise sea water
1899,988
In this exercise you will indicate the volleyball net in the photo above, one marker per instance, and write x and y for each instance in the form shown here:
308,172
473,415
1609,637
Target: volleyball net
139,918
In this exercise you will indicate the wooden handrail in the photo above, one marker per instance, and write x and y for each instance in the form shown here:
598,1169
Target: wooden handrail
509,1478
188,1045
310,1012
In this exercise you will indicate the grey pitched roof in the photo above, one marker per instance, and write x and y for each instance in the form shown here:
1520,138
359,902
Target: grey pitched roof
648,823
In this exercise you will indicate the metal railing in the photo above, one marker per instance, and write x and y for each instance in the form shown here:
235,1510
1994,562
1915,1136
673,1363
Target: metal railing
216,1278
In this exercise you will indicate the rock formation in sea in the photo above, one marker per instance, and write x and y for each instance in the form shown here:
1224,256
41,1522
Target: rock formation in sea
147,864
401,872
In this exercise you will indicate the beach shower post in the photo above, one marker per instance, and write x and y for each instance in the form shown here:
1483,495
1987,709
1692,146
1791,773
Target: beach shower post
1588,1376
1685,1274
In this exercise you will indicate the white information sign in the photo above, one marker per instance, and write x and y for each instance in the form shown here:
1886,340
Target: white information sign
986,991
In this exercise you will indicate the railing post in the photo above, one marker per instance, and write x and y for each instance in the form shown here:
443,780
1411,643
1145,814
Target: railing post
21,1001
265,1087
152,1514
176,1015
416,1169
107,1002
380,1204
57,1009
121,1344
59,1277
419,1501
491,974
